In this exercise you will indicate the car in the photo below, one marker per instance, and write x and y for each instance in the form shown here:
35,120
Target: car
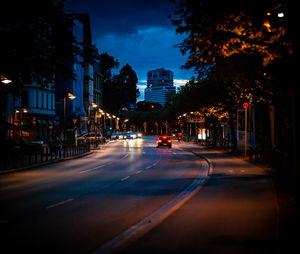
164,141
81,139
117,135
91,137
130,135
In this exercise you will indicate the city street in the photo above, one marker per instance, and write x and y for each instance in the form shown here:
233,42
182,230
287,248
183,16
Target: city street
132,197
78,205
149,127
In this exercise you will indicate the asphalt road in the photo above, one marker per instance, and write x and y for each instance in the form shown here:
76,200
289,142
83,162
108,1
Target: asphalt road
90,204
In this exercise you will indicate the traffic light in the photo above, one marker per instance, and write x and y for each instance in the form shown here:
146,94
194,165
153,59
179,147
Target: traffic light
152,106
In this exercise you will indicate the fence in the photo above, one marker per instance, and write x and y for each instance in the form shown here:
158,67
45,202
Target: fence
23,158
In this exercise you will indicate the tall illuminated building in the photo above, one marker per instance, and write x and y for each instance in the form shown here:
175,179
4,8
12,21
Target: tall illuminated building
159,86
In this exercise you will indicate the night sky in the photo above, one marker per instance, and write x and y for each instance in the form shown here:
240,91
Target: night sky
137,32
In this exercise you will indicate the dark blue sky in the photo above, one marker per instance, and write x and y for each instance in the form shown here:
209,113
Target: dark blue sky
137,32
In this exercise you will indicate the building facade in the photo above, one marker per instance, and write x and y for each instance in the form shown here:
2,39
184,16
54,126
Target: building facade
159,86
67,109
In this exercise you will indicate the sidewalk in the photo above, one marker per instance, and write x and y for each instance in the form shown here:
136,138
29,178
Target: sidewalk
237,211
287,234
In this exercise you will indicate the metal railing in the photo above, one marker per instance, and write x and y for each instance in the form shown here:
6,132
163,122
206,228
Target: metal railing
22,158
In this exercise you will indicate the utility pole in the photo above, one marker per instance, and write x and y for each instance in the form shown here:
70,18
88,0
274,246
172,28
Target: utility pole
245,105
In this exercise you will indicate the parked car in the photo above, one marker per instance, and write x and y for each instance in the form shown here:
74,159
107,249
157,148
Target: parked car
81,139
164,141
91,137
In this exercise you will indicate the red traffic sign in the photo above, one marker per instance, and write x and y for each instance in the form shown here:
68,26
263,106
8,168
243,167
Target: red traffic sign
245,105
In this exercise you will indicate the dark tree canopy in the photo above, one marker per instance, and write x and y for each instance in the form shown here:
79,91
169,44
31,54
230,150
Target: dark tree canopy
119,90
238,40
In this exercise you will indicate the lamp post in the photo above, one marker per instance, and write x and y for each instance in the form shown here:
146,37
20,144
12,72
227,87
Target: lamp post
117,123
71,97
93,105
21,111
246,105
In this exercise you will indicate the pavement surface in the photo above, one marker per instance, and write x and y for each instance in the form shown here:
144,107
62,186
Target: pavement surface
237,211
131,197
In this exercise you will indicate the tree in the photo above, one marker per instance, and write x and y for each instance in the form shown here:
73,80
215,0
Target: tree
107,64
120,90
238,40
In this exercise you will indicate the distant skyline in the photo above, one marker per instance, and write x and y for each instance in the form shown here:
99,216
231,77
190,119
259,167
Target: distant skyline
136,32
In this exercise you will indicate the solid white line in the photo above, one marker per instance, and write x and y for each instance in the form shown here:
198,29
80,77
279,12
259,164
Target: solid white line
59,203
146,224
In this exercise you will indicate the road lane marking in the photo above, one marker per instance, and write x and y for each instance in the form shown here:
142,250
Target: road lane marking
125,156
60,203
149,222
125,178
100,166
139,171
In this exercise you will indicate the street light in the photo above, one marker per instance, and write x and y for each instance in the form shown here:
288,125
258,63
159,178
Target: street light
93,105
71,97
20,111
5,80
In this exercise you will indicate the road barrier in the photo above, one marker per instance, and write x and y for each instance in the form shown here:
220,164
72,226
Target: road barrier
23,158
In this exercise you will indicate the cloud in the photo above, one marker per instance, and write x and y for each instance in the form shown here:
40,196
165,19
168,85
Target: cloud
123,17
137,32
142,84
180,82
147,49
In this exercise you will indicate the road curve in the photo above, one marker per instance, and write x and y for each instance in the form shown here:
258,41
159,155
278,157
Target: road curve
80,205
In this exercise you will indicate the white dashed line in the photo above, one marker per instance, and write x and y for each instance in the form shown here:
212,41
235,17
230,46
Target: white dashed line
125,178
60,203
90,169
126,155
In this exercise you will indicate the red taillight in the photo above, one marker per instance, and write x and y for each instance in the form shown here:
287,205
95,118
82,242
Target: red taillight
159,141
169,141
164,137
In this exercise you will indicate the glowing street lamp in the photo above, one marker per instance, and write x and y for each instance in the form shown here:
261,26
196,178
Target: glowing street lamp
5,80
71,97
